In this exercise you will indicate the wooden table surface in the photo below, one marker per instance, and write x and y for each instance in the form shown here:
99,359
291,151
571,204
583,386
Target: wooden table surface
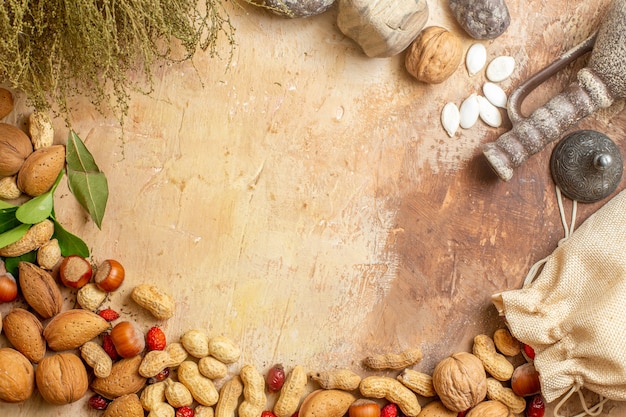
307,203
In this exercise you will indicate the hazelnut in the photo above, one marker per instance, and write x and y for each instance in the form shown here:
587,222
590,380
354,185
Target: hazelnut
128,339
434,55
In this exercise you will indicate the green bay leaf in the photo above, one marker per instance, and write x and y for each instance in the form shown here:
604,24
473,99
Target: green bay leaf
5,205
8,220
70,244
86,181
12,264
36,209
13,235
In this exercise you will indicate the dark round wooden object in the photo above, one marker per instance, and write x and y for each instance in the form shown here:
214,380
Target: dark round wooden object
586,165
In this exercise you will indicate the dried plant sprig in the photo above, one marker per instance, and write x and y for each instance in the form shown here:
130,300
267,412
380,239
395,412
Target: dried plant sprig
53,50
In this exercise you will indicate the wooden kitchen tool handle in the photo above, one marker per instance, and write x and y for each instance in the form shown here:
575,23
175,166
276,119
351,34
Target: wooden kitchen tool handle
517,97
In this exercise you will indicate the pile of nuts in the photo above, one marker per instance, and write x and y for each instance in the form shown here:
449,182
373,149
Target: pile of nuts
29,164
131,373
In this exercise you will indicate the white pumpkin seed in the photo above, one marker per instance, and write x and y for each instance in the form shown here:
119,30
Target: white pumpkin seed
450,118
488,112
469,112
476,58
495,94
500,68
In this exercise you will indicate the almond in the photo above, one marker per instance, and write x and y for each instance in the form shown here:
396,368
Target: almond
25,333
17,376
41,169
40,290
72,328
124,379
125,406
61,378
35,237
15,147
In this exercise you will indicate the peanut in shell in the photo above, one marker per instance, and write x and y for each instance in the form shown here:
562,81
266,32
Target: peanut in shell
35,237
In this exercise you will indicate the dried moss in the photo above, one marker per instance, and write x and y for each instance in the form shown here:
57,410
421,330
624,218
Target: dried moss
53,50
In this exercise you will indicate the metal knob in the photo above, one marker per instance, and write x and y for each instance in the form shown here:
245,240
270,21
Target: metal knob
587,166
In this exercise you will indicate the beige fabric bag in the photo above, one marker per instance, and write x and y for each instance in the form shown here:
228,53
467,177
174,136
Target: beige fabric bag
573,313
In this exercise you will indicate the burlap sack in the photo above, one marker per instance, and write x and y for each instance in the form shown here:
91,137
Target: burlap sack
574,312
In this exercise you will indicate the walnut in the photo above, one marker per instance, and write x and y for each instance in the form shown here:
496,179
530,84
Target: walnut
460,381
434,55
61,378
17,376
15,147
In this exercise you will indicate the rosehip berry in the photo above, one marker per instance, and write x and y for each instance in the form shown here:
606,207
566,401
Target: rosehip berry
536,407
109,347
275,378
529,351
155,338
98,402
267,413
109,314
389,410
184,412
161,376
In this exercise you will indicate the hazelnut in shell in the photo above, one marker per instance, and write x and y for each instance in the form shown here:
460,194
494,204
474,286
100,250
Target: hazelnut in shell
75,271
128,339
8,287
525,380
364,407
109,275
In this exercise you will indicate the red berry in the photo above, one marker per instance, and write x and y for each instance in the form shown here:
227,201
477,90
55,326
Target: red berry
529,351
275,378
184,412
462,413
109,314
109,347
98,402
155,338
389,410
536,407
161,376
267,413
